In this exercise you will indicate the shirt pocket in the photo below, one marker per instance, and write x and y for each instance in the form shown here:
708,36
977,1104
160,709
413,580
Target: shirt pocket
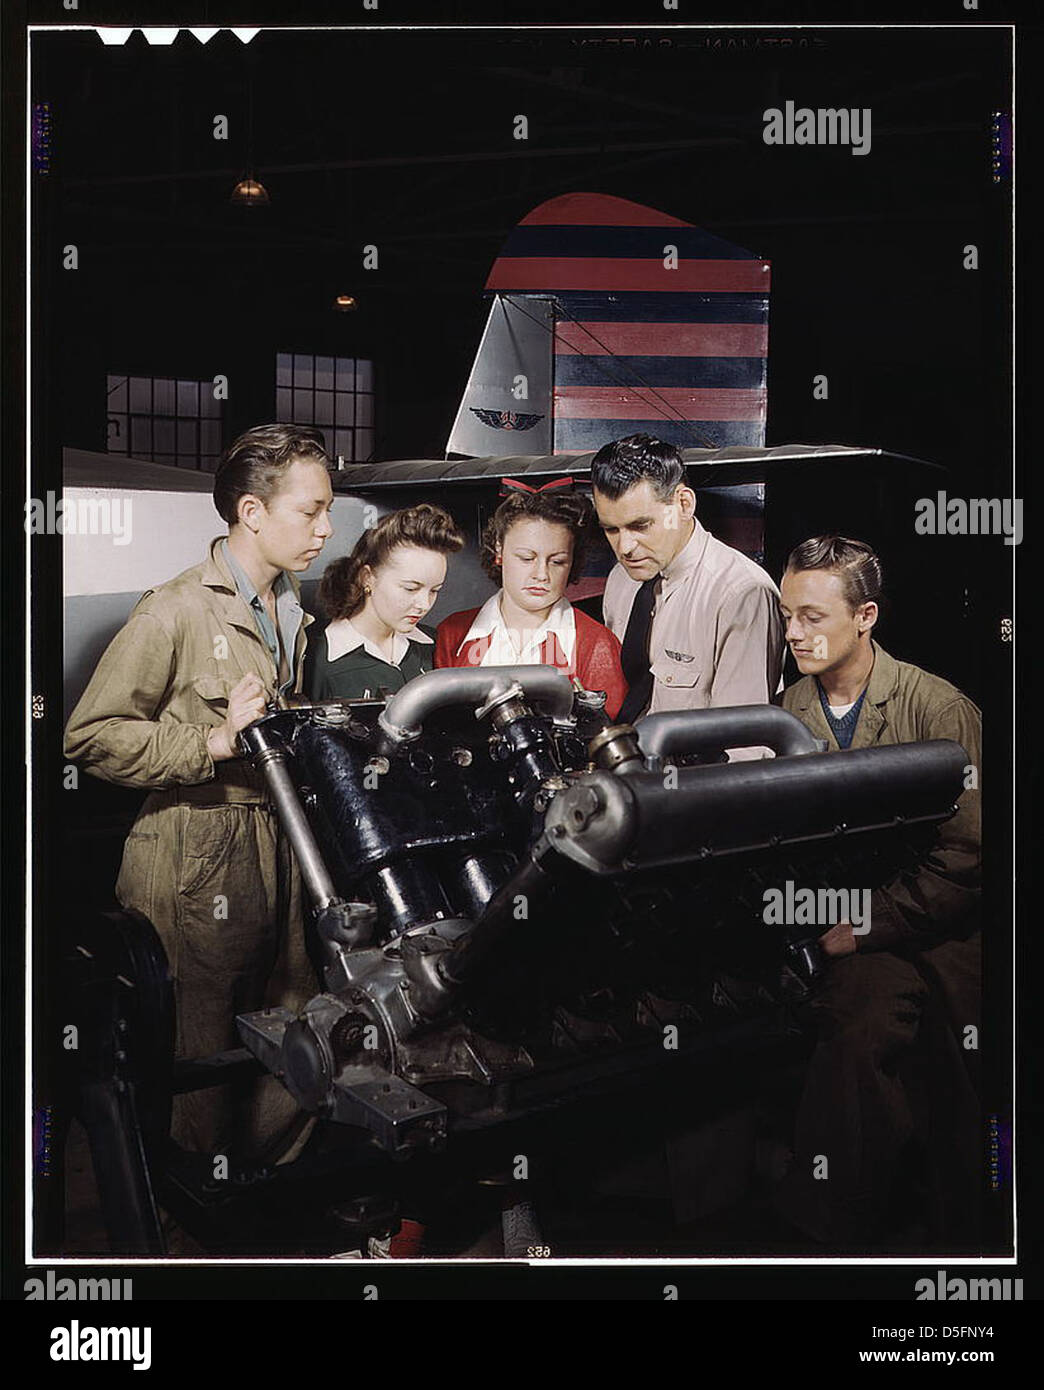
676,675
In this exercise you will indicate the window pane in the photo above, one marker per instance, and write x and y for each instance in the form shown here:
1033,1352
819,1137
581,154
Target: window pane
284,369
168,459
346,373
324,407
343,443
188,401
141,436
186,461
163,396
117,393
364,444
302,407
364,410
208,402
302,370
117,430
210,437
284,406
324,374
163,436
345,408
364,375
141,395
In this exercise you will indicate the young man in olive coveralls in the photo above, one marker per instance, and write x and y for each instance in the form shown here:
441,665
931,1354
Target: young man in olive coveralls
894,1076
206,861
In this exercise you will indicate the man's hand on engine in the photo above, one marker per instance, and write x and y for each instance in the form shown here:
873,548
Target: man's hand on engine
839,940
247,701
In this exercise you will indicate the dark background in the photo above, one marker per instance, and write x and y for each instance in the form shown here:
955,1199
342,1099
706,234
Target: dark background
404,140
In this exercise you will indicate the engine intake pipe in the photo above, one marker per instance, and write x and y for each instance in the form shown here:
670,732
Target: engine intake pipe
403,717
705,731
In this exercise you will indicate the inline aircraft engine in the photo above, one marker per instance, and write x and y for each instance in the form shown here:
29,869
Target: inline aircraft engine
515,900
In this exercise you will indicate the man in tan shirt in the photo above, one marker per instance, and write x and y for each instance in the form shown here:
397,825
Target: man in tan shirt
699,622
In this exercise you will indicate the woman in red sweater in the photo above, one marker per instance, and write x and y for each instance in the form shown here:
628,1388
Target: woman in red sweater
533,547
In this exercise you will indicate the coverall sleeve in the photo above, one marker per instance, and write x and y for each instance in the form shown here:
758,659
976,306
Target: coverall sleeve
118,730
748,649
940,900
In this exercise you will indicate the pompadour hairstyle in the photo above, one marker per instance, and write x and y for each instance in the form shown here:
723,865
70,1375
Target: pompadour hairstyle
256,462
639,457
859,569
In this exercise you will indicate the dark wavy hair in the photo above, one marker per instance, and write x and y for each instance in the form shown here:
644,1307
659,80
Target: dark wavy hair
256,462
569,509
619,466
341,589
855,564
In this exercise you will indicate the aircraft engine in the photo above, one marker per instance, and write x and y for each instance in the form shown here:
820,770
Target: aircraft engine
515,900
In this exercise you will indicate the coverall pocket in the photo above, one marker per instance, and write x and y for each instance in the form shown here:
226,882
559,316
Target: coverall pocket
228,909
134,885
212,690
207,838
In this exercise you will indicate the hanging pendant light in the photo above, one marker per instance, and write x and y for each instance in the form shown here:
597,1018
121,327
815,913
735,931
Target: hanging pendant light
249,193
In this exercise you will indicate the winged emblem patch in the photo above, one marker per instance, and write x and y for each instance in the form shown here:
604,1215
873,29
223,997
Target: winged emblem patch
506,419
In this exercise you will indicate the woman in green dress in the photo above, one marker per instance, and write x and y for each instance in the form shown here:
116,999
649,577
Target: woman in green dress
375,598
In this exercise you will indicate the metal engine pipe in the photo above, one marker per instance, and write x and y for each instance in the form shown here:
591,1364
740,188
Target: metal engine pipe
703,731
402,719
267,753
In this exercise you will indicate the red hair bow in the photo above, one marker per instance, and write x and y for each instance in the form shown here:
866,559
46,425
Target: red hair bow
510,485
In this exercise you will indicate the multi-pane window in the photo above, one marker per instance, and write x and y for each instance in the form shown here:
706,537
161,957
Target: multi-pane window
333,393
166,420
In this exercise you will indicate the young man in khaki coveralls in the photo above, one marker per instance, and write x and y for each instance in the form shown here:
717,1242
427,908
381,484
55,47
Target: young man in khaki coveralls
206,861
897,1001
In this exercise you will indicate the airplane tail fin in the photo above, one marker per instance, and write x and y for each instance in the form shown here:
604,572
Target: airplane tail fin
610,318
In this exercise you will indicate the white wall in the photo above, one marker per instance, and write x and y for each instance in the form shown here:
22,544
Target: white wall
169,532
